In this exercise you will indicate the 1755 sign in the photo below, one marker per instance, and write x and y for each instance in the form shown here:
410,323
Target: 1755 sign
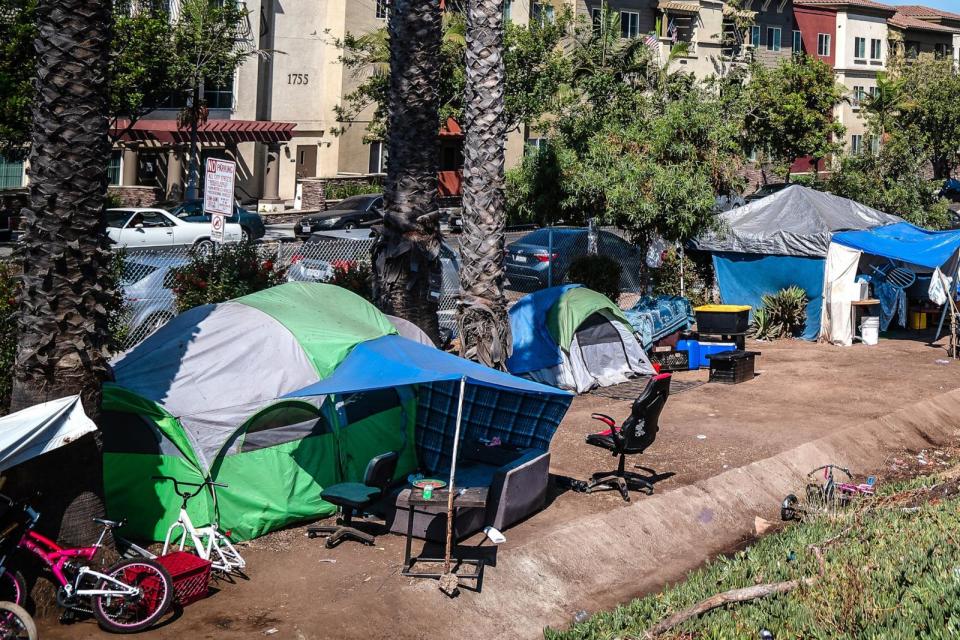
298,78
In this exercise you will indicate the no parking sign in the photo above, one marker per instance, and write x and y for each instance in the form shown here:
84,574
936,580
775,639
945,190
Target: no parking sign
218,198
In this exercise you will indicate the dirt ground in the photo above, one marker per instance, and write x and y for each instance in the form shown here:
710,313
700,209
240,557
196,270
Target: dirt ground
299,589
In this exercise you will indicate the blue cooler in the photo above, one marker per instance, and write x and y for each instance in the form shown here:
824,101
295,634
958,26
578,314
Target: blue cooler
698,351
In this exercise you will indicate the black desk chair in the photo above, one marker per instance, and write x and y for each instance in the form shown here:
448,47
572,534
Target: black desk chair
636,433
355,497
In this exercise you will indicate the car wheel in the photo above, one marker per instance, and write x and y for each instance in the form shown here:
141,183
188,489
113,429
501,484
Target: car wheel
244,234
350,225
203,248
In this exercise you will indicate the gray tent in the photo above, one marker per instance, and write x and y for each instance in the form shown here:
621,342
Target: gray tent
782,240
796,221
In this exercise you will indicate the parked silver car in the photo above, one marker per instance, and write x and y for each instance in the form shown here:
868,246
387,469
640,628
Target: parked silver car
147,283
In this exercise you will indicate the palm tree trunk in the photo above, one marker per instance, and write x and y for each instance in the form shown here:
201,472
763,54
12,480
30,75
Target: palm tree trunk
482,310
406,255
63,322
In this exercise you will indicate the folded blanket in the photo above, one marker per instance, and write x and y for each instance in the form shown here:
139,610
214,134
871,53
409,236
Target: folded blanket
656,317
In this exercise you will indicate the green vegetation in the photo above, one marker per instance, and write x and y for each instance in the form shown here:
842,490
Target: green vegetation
354,276
598,272
782,315
233,270
891,569
697,277
347,188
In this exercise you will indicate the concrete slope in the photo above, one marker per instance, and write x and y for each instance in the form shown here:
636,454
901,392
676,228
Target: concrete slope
610,557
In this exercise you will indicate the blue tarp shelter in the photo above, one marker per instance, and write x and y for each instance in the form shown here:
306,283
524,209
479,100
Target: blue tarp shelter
935,252
782,240
520,412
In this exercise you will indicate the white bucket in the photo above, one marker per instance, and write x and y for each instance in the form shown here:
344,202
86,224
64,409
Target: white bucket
870,330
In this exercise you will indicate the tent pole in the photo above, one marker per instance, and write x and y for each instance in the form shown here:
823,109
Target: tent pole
451,488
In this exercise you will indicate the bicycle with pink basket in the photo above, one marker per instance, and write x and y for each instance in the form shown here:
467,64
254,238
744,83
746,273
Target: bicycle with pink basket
128,597
829,496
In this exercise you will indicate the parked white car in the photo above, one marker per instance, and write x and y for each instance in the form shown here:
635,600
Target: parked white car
139,228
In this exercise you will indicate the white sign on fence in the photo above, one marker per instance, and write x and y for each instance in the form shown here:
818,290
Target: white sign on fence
217,223
218,187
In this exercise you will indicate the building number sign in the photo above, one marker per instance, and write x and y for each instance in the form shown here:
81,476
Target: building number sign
298,78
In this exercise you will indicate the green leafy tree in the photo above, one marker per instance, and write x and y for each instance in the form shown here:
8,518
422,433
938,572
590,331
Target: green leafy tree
893,181
210,41
933,116
17,58
887,104
790,111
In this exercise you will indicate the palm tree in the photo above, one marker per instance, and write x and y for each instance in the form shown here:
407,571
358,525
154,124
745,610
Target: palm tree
406,255
888,102
482,309
63,318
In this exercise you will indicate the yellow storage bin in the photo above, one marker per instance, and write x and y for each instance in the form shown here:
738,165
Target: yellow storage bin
918,320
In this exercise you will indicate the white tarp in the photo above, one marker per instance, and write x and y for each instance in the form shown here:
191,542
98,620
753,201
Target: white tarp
840,289
43,427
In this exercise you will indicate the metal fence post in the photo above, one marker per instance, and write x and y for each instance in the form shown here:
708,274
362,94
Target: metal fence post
550,257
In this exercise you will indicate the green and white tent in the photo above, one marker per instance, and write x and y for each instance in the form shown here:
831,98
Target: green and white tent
200,399
283,392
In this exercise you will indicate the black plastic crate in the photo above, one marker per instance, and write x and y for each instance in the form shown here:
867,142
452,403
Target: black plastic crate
671,360
722,322
732,367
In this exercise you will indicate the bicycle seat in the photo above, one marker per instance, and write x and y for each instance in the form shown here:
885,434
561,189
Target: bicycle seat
112,524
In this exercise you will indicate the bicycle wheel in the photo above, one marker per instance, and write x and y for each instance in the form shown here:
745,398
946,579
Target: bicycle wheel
788,508
129,614
15,623
12,587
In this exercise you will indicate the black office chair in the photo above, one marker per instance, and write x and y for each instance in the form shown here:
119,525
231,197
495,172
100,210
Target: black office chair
353,497
633,437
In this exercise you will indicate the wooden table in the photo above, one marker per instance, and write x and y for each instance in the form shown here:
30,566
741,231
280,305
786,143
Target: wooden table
470,497
857,305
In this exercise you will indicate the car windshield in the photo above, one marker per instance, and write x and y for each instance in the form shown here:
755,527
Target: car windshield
118,217
352,203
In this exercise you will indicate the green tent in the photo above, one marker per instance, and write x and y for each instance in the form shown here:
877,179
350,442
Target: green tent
202,398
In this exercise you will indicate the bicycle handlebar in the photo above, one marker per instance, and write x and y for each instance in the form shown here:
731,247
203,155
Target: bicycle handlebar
190,494
831,467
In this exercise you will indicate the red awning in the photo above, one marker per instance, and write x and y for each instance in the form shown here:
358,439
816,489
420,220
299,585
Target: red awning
211,132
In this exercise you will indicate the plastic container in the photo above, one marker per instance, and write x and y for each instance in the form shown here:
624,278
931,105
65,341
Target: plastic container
191,576
732,367
722,319
870,330
670,360
698,351
918,320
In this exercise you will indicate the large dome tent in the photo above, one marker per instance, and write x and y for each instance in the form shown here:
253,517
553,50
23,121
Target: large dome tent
206,397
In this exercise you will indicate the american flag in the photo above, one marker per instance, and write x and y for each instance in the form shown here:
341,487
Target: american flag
672,31
653,43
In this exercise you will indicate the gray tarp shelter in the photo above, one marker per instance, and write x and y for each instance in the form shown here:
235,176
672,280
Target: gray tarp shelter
782,240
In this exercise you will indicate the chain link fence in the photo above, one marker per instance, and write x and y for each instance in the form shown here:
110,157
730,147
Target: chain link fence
534,259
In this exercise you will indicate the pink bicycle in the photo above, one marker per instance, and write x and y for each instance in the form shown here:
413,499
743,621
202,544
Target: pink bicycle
128,597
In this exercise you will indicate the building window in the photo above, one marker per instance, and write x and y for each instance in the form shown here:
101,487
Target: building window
873,91
773,38
629,24
377,164
11,173
596,18
859,48
755,35
823,44
507,9
856,144
874,142
859,93
383,9
113,167
876,48
533,146
218,95
942,50
541,13
797,42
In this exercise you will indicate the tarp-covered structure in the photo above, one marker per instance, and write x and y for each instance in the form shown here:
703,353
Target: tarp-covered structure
43,427
782,240
206,397
574,338
933,252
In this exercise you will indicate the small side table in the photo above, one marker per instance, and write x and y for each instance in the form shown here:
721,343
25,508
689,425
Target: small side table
472,497
860,305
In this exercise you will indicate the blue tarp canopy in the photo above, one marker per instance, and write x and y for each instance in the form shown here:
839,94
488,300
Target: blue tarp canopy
393,361
520,412
533,346
905,242
745,278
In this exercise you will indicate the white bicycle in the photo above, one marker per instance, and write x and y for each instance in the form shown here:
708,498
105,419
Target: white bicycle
207,542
